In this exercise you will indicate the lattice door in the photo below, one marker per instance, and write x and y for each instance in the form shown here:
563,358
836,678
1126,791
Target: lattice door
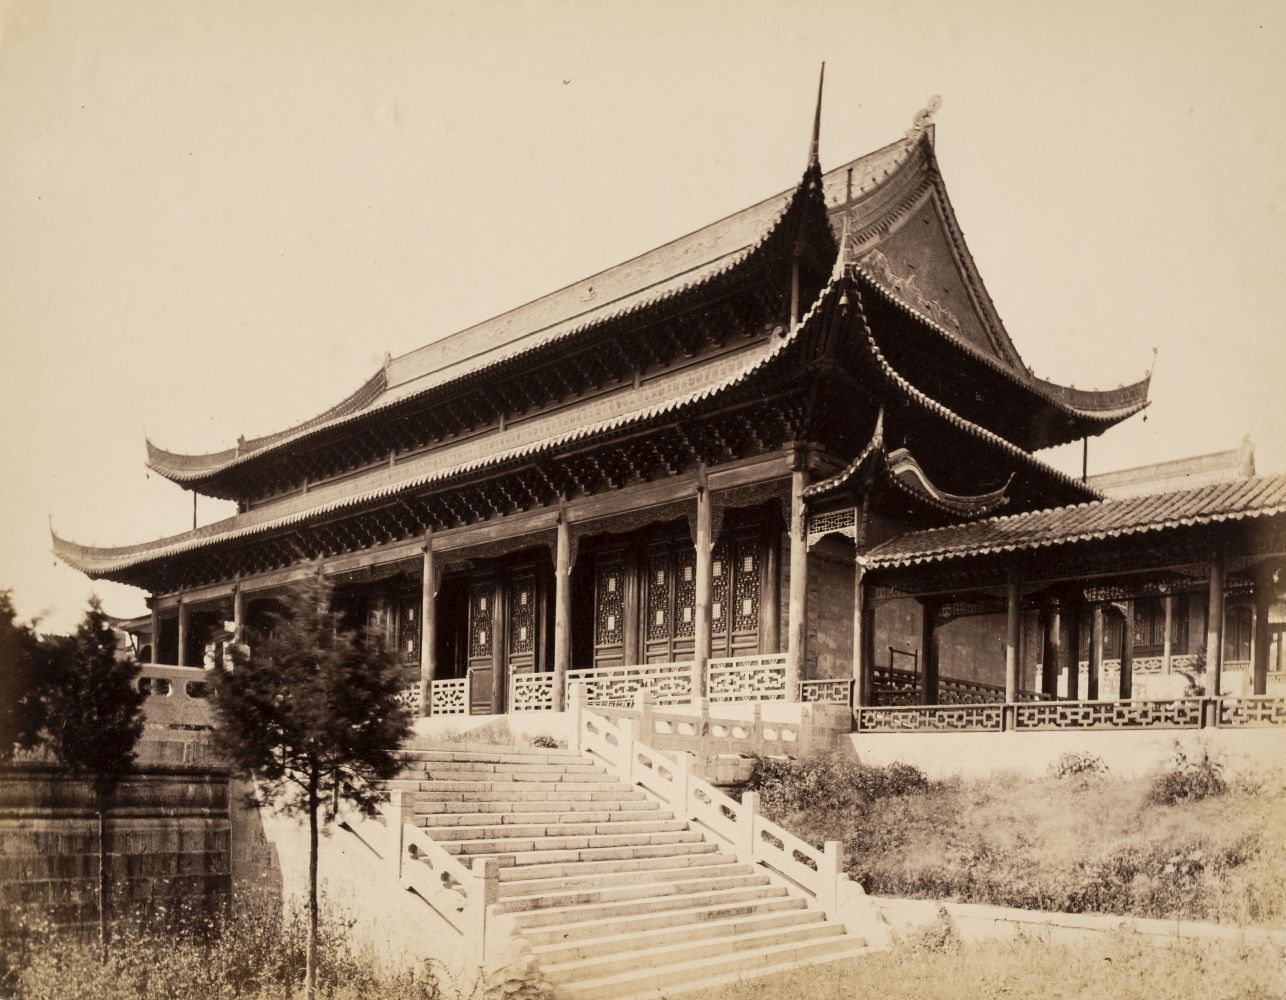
524,623
408,631
609,612
481,645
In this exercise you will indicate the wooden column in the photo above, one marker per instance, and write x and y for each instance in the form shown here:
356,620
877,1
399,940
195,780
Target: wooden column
238,614
1051,653
1214,626
1167,643
1072,650
704,583
631,608
183,632
770,602
499,645
1126,691
156,632
929,652
1096,651
562,611
428,628
1013,630
1263,597
798,624
861,693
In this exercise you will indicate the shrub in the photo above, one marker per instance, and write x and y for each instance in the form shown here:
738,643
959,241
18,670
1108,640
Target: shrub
1188,779
1077,764
829,782
544,742
938,937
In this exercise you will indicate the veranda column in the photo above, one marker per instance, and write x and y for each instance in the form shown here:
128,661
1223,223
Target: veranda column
428,629
704,554
1214,626
562,611
1167,643
1126,691
770,605
238,614
1051,653
798,625
861,675
1263,597
929,651
1072,650
1096,651
1013,626
183,632
156,630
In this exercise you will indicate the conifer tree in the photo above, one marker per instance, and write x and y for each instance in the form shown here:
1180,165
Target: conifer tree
21,701
311,714
93,719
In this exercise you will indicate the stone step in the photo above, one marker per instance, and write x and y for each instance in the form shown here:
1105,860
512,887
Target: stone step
664,982
671,884
498,756
577,920
551,831
714,924
606,966
529,859
436,807
483,820
528,878
529,845
518,789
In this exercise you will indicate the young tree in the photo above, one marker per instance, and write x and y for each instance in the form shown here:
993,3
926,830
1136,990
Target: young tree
21,704
312,715
93,716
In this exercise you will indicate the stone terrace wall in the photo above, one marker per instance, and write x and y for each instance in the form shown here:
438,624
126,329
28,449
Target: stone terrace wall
168,837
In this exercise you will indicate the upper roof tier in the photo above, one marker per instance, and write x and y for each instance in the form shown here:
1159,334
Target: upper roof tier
903,235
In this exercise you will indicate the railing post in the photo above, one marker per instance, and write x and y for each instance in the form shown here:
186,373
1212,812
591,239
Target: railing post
630,732
643,702
401,811
829,875
485,892
682,784
746,817
577,703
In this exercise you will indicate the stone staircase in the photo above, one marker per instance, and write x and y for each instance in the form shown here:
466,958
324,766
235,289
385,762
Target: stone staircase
616,897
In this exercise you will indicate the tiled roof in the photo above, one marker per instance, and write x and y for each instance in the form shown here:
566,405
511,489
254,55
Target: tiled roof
1263,496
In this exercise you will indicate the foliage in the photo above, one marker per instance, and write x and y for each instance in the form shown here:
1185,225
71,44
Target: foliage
544,742
936,937
834,780
93,709
312,715
1077,764
1188,779
21,707
257,953
1121,966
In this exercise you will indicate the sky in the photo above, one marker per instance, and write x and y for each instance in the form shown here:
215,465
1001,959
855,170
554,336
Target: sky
216,218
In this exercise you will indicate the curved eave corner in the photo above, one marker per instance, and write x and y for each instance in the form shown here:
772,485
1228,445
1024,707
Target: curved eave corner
193,470
905,473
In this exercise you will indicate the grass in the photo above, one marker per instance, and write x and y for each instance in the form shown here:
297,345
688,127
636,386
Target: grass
1118,967
1089,842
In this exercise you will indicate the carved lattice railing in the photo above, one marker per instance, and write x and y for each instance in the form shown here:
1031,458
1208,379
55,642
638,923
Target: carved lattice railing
531,692
1252,711
449,697
669,683
986,717
1180,713
747,678
836,691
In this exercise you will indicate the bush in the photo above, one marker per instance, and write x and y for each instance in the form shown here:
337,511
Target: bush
829,782
1188,779
544,742
1077,764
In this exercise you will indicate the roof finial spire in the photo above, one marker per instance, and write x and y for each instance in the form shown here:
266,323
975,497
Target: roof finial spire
841,259
817,121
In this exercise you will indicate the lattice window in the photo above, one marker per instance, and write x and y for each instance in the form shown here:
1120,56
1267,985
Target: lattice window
610,603
480,637
685,596
408,631
719,588
522,616
745,610
843,522
658,598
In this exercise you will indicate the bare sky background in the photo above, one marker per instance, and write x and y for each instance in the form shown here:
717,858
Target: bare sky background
215,218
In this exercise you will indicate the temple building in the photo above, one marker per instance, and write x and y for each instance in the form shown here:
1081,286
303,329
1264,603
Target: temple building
789,456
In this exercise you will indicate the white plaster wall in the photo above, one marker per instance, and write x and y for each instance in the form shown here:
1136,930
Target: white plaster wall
523,726
1127,754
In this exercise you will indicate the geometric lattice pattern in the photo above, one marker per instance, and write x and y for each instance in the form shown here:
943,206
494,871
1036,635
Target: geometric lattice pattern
1253,711
747,678
409,698
480,620
658,597
522,616
610,605
931,719
670,683
531,692
449,697
842,522
408,631
745,604
1181,713
719,588
837,691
